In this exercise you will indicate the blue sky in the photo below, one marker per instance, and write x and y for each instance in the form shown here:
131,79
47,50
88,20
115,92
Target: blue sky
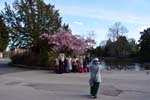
85,16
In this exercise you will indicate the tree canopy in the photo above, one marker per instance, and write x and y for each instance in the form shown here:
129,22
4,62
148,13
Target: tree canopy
3,35
116,30
27,19
144,44
65,41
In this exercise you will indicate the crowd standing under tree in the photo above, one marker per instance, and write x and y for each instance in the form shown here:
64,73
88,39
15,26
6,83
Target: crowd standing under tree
67,64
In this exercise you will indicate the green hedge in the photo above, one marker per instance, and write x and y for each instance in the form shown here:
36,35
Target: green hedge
32,59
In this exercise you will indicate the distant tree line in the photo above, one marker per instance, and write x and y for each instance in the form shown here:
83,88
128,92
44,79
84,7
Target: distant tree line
119,46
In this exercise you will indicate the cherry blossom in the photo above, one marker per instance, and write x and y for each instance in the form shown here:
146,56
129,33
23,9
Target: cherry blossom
65,41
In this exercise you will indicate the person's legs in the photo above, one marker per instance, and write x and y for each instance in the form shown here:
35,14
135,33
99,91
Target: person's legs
73,68
95,89
92,90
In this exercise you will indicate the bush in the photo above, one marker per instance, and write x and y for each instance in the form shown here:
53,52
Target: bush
32,60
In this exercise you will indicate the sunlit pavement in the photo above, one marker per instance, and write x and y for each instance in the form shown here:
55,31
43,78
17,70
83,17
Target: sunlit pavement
20,84
5,68
5,60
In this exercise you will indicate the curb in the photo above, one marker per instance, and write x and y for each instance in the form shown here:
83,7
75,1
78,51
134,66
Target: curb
31,67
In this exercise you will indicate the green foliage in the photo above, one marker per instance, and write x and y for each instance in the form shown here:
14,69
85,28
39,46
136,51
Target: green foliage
133,48
121,48
97,52
3,35
28,19
66,27
31,59
144,45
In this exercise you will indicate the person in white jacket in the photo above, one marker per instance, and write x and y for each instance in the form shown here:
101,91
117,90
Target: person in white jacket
95,77
69,63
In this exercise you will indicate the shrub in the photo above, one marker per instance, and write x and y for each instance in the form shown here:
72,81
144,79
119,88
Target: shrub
32,60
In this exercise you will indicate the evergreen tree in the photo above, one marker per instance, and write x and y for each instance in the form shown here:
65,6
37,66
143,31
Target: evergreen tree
119,48
3,35
122,47
133,48
144,45
27,20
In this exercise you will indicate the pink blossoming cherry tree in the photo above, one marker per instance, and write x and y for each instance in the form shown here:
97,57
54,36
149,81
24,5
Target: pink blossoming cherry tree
64,40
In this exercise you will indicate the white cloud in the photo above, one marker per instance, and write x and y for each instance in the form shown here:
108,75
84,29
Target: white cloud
104,14
100,34
133,34
143,27
78,23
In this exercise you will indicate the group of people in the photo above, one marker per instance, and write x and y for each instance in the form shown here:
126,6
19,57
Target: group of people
81,64
67,64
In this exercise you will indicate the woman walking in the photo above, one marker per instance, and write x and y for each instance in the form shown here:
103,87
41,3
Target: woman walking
95,77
